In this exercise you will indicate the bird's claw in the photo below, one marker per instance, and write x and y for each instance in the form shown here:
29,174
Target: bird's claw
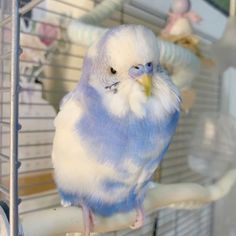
91,218
88,220
139,219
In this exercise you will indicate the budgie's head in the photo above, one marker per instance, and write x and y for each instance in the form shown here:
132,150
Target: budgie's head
124,69
180,6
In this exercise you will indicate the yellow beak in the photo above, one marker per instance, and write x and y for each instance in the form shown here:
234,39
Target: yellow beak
146,81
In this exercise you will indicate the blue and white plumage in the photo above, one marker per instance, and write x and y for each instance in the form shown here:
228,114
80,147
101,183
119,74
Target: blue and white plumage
115,127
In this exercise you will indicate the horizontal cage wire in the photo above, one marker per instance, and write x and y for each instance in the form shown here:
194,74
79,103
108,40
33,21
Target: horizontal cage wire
50,66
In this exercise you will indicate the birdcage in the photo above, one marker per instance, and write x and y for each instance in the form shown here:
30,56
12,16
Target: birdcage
39,64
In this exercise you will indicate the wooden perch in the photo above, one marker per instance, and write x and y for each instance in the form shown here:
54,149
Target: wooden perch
58,221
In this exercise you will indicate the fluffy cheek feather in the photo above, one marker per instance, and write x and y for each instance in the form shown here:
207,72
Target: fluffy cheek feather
129,97
116,104
164,101
137,99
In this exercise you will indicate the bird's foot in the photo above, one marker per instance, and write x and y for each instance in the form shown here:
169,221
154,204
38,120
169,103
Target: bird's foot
91,218
88,220
139,218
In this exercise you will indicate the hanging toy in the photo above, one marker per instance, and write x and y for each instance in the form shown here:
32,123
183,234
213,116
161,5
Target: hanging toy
181,18
179,29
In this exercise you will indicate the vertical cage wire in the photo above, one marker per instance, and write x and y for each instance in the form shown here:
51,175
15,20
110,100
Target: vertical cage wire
10,62
14,125
4,122
1,93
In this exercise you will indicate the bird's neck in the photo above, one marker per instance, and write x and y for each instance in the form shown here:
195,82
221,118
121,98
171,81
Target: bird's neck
119,106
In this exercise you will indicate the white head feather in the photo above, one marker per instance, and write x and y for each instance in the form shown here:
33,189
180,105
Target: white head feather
121,48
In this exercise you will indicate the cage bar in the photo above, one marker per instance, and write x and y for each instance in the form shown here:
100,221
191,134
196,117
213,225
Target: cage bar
14,119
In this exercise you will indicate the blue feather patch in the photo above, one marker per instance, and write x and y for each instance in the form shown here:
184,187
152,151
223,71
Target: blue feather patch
101,208
125,137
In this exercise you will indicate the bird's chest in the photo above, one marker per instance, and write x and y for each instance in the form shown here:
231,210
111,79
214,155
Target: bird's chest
115,139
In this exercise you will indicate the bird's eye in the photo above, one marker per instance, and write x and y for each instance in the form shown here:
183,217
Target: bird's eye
149,67
113,71
149,64
136,67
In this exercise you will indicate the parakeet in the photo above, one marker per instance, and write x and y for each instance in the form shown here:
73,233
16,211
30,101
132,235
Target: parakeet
114,128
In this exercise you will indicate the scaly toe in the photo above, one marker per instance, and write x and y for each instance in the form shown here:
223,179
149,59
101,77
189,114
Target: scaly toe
137,224
139,218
